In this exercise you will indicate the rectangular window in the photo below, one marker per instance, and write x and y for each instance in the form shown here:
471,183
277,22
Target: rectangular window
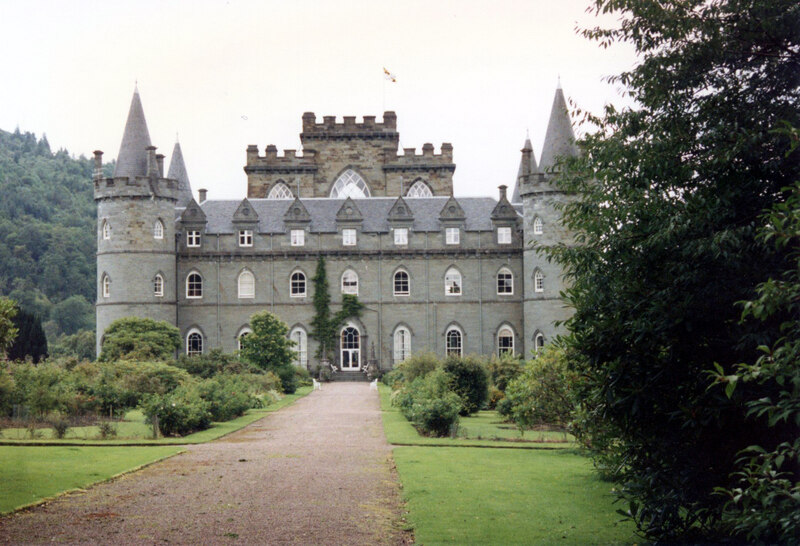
504,236
193,239
400,236
349,237
245,237
452,235
298,237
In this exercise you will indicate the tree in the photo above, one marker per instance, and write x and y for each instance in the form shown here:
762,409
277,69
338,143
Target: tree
134,338
669,196
8,331
73,314
269,348
80,345
30,341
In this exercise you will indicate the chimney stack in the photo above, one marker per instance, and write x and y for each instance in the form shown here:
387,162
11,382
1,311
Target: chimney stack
98,164
152,166
503,188
160,163
202,194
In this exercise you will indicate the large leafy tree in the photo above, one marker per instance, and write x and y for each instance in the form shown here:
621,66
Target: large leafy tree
269,348
7,329
669,198
135,338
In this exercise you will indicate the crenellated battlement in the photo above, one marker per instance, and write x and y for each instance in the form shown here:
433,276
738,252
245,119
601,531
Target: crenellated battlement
290,160
133,187
410,160
349,128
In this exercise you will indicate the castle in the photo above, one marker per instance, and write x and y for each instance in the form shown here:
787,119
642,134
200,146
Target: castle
436,273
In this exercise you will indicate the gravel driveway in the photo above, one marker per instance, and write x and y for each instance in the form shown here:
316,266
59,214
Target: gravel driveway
316,472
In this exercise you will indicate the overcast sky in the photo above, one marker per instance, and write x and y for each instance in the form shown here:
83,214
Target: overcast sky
225,74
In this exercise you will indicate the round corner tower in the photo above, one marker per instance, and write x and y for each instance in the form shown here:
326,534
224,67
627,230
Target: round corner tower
136,260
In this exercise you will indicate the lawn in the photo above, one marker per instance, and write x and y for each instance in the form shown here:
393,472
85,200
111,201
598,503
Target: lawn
507,496
134,431
483,429
30,474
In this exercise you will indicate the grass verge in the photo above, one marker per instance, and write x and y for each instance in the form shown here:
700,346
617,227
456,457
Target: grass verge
133,433
33,474
507,496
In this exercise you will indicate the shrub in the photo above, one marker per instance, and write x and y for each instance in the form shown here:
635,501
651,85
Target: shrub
412,368
149,377
495,396
44,388
470,381
502,370
177,413
135,338
214,362
268,348
429,403
228,396
59,424
302,377
107,429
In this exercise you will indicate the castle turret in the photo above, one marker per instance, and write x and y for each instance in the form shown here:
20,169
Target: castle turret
527,165
177,171
135,230
542,226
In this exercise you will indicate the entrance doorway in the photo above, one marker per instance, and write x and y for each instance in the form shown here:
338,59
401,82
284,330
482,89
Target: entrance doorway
351,348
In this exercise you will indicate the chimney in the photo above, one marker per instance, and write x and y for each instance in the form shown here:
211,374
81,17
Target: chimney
202,193
502,188
526,161
98,164
152,166
160,163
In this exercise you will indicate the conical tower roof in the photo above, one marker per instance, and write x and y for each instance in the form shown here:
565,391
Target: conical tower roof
559,141
177,171
515,197
132,157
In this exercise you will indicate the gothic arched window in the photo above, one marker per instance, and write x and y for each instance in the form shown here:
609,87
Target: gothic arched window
419,189
106,230
350,184
194,343
280,191
537,226
158,230
538,342
106,286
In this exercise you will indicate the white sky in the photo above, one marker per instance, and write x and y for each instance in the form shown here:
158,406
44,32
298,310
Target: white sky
225,74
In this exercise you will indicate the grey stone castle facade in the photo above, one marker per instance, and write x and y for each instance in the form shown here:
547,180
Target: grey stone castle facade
436,273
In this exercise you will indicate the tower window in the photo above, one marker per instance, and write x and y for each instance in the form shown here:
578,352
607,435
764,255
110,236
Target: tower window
401,284
452,282
452,235
158,230
247,285
158,286
245,237
297,285
505,341
106,230
298,237
538,281
504,236
193,239
505,282
537,226
349,237
400,236
194,343
194,285
106,286
538,343
453,342
350,282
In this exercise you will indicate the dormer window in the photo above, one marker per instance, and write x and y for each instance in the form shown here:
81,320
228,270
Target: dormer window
400,236
452,235
504,236
349,237
246,237
193,239
298,237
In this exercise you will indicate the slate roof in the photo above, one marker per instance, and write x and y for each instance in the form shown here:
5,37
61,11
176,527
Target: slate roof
132,157
375,211
559,140
177,171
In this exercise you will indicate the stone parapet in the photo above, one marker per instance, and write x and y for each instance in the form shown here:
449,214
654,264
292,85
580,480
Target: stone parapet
140,186
349,128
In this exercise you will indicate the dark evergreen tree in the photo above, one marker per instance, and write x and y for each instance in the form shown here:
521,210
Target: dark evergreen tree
30,341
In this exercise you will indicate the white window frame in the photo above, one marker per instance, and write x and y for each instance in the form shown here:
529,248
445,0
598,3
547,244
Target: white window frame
538,342
158,230
245,237
401,348
105,229
246,285
297,237
509,282
292,293
419,189
350,184
349,289
455,351
106,285
452,279
244,332
452,236
538,227
194,332
505,332
349,237
400,236
188,277
280,191
397,292
158,286
193,238
504,236
538,282
300,337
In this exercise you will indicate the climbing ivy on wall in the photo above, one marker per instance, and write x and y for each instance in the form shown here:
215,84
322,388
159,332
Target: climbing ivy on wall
324,324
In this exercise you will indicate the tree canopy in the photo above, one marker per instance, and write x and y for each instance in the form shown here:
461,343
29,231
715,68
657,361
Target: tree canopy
669,197
269,348
134,338
8,331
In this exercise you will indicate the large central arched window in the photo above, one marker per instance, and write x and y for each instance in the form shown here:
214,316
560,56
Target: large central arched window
350,184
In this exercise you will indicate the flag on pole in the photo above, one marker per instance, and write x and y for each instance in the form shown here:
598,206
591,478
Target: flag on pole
389,76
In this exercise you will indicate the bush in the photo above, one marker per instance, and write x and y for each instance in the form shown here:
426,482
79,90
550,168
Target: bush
177,413
502,370
302,377
149,377
134,338
60,425
470,381
495,396
412,368
429,403
228,396
107,430
214,362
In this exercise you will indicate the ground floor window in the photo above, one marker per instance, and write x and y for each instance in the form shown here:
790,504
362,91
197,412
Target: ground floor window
351,348
194,343
453,342
505,341
402,344
300,339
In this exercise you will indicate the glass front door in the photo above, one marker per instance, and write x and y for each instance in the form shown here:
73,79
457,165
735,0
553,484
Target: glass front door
351,345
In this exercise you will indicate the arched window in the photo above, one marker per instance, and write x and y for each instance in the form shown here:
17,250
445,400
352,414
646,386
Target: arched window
351,348
297,285
194,285
402,344
300,339
194,343
350,282
452,282
537,226
538,342
538,281
106,230
350,184
419,189
158,285
505,341
402,286
158,230
106,283
247,285
453,342
243,333
280,191
505,281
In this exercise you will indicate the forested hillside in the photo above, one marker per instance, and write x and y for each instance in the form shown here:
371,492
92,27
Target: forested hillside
47,232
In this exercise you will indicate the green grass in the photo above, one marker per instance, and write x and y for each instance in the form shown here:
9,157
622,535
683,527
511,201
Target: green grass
507,496
134,431
483,429
31,474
